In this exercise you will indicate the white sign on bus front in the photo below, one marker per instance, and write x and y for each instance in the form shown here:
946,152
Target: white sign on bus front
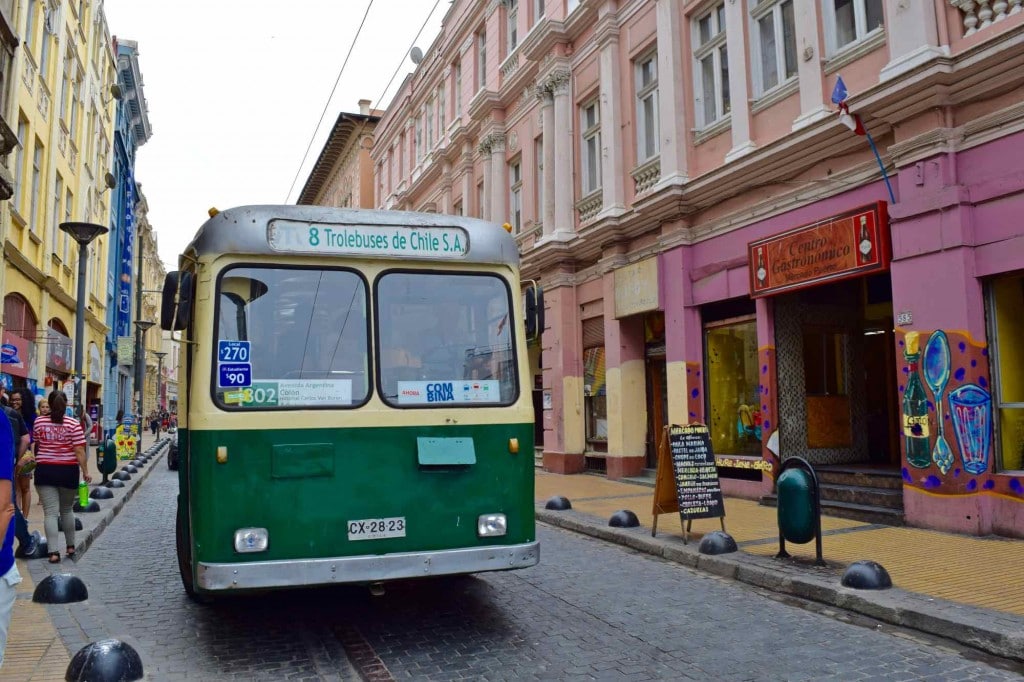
367,240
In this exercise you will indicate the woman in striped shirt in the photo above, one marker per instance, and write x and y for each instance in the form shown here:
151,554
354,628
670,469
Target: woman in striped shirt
59,447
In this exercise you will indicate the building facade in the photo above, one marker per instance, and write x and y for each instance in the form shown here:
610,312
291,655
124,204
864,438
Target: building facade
343,173
716,246
131,130
61,113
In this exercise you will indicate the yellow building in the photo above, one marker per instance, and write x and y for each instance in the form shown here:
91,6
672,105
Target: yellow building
61,108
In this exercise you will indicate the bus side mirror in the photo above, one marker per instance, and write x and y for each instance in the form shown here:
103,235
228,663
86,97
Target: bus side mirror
534,311
176,304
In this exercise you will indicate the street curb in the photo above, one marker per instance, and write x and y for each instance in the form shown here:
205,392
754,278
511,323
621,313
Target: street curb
991,631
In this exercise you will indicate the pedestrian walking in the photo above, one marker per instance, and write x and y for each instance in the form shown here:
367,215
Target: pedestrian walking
59,446
9,576
27,542
24,402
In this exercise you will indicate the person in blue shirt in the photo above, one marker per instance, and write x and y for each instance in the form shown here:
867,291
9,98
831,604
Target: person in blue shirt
9,576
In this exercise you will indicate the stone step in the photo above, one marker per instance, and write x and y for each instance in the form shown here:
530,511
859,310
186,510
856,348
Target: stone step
848,510
872,497
864,478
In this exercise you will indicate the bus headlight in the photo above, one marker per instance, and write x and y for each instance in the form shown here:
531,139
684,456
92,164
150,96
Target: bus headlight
251,540
491,525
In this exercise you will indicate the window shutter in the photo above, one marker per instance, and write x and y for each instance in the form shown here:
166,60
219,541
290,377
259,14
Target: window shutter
593,332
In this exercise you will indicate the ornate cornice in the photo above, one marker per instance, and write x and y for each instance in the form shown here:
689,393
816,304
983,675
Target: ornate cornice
492,143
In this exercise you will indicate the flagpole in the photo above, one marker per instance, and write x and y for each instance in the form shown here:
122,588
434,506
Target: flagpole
885,176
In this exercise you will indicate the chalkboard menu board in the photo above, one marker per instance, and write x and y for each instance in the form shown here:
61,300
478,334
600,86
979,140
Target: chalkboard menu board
693,464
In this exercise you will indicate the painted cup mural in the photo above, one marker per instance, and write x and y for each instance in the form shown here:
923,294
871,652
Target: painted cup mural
962,415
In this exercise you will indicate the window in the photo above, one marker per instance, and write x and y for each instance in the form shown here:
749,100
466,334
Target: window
595,387
1006,324
445,338
590,149
646,107
65,88
851,20
418,139
458,90
458,208
538,10
774,44
30,26
732,388
19,161
515,199
307,332
481,60
55,234
511,23
68,200
571,5
442,113
711,82
430,125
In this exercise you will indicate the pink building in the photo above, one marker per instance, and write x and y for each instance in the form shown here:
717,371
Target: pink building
716,246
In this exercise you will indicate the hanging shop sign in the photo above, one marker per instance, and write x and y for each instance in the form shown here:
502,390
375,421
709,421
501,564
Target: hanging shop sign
843,246
58,351
636,288
17,355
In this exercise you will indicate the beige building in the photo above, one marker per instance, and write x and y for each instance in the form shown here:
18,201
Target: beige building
343,173
61,111
151,281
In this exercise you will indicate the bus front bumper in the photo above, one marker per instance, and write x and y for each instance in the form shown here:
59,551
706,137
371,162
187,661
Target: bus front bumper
364,569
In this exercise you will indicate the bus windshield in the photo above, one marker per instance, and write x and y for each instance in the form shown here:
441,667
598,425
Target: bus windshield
291,337
445,339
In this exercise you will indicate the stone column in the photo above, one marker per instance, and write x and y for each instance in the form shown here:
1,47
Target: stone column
612,190
684,347
498,179
565,226
547,113
739,81
446,187
672,103
467,178
812,83
564,431
485,152
626,383
911,29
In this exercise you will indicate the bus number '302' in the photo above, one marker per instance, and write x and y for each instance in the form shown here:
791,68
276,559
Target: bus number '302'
375,529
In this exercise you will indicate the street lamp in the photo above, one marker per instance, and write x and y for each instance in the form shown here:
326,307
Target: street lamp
83,233
159,379
141,327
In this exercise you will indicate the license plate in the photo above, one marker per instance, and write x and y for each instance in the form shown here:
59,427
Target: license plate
377,529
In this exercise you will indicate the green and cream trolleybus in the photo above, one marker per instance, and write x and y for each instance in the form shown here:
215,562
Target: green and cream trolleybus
354,403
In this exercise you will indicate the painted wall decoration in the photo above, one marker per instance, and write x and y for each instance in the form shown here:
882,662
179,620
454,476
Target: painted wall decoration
947,416
769,404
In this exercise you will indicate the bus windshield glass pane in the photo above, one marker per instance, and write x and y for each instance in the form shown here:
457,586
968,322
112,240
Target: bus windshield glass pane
291,337
445,339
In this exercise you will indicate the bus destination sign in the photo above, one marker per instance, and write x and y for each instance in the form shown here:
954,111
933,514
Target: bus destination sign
367,240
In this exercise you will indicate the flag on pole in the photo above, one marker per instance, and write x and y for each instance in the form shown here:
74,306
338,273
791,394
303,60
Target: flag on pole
854,123
851,121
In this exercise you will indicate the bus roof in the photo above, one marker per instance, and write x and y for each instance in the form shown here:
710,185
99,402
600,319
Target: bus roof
320,230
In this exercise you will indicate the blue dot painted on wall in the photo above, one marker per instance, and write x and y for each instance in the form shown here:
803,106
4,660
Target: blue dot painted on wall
984,352
946,417
962,346
688,370
767,425
974,363
956,472
693,415
931,406
972,484
901,343
1016,486
960,373
989,484
906,475
983,382
906,370
764,369
695,393
901,389
932,481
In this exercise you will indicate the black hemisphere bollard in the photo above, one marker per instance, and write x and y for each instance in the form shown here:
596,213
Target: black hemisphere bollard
105,660
130,469
60,588
101,493
866,575
90,508
122,476
78,523
799,506
558,503
137,463
623,519
114,483
717,542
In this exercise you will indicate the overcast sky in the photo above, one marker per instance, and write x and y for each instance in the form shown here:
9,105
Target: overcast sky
235,89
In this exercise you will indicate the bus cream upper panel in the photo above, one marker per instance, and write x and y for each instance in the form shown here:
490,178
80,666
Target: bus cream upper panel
244,231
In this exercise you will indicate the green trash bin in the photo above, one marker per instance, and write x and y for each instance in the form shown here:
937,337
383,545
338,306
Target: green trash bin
799,506
106,458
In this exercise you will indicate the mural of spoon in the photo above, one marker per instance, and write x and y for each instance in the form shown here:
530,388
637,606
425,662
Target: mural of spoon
936,362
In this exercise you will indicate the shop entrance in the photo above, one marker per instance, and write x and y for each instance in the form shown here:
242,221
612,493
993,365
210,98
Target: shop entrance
838,394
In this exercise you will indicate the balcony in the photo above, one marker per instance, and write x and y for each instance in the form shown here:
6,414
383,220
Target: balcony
980,14
646,175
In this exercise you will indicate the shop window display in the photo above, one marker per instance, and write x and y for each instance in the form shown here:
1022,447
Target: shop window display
734,406
595,399
1006,317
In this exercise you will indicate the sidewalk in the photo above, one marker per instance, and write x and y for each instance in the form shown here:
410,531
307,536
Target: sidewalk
961,587
35,651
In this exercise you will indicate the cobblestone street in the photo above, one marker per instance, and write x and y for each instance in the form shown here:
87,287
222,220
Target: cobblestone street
637,618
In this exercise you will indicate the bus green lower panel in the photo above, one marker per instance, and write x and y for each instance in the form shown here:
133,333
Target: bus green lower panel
354,492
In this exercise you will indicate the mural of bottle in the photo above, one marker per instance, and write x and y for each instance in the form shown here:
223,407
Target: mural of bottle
915,409
865,240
